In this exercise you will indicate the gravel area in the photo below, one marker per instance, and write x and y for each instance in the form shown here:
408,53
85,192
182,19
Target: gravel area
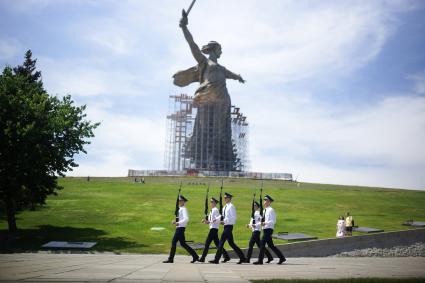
415,250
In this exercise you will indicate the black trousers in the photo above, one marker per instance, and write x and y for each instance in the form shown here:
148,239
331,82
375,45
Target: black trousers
267,239
179,237
255,239
227,235
213,236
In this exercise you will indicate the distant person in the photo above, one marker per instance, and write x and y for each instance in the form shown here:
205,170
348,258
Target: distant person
340,227
214,221
142,180
88,178
349,223
255,236
268,226
179,234
229,219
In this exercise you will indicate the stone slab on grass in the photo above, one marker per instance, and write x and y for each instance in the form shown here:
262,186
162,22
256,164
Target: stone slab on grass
68,245
294,237
415,223
367,230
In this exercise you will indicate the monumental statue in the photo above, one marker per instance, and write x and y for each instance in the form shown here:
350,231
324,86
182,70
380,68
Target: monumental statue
210,147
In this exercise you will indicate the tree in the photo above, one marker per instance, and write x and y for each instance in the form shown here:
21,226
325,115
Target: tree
39,136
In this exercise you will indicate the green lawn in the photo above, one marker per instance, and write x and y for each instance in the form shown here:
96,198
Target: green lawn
118,213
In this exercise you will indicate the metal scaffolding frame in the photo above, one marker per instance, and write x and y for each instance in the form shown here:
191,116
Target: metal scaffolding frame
240,139
179,129
204,148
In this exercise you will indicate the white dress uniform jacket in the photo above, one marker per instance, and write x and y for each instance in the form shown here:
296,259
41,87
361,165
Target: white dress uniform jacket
214,218
229,212
269,218
183,217
257,225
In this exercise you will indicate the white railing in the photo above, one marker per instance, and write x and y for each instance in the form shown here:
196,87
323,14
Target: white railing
253,175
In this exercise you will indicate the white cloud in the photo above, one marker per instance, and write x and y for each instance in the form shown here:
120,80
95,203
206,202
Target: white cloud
9,47
419,82
114,38
88,77
379,145
121,142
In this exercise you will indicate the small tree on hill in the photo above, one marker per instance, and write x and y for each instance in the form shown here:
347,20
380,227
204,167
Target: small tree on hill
39,135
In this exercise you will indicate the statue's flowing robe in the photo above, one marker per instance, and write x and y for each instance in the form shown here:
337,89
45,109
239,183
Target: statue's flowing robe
210,147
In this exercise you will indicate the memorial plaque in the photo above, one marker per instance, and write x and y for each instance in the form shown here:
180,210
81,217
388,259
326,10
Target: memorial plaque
293,237
367,230
68,245
414,223
418,224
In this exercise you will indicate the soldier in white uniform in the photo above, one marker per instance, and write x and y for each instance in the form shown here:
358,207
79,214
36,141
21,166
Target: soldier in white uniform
213,220
179,234
268,226
229,219
255,225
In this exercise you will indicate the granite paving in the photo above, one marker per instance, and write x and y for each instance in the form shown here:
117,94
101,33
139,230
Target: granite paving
46,267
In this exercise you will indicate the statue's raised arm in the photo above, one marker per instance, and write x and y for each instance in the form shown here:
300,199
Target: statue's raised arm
196,52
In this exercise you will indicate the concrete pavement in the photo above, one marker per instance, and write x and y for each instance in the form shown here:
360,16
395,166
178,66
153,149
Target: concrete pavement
44,267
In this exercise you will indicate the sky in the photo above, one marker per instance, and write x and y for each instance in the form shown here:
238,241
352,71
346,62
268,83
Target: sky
335,90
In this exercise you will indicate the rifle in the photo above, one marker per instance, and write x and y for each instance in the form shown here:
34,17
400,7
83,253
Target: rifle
221,200
177,203
261,203
206,203
253,210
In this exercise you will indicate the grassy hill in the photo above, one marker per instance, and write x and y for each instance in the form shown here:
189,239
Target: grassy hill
118,213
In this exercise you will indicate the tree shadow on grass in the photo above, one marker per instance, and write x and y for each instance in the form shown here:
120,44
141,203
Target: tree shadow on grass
31,240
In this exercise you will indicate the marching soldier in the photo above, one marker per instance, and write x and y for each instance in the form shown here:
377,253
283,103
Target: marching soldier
255,237
213,220
229,219
179,234
268,226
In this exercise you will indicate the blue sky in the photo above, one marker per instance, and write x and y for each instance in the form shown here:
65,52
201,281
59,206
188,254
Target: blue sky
335,90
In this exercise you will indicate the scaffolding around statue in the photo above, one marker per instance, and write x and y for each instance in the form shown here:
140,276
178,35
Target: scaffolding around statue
202,148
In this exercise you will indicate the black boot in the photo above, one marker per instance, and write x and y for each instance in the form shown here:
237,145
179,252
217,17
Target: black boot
213,261
269,260
282,260
168,261
257,262
225,260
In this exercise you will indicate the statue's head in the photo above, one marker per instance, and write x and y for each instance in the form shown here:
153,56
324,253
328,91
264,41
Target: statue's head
212,46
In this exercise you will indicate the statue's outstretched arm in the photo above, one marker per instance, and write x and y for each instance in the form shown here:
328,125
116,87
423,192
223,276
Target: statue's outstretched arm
197,54
233,76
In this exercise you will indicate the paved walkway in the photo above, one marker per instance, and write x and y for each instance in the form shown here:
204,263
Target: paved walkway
149,268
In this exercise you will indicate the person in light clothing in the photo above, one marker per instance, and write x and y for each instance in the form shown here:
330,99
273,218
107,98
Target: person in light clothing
255,225
229,219
179,234
268,226
349,223
213,220
340,227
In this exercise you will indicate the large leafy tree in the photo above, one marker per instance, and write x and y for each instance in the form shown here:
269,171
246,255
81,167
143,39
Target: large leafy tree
39,136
